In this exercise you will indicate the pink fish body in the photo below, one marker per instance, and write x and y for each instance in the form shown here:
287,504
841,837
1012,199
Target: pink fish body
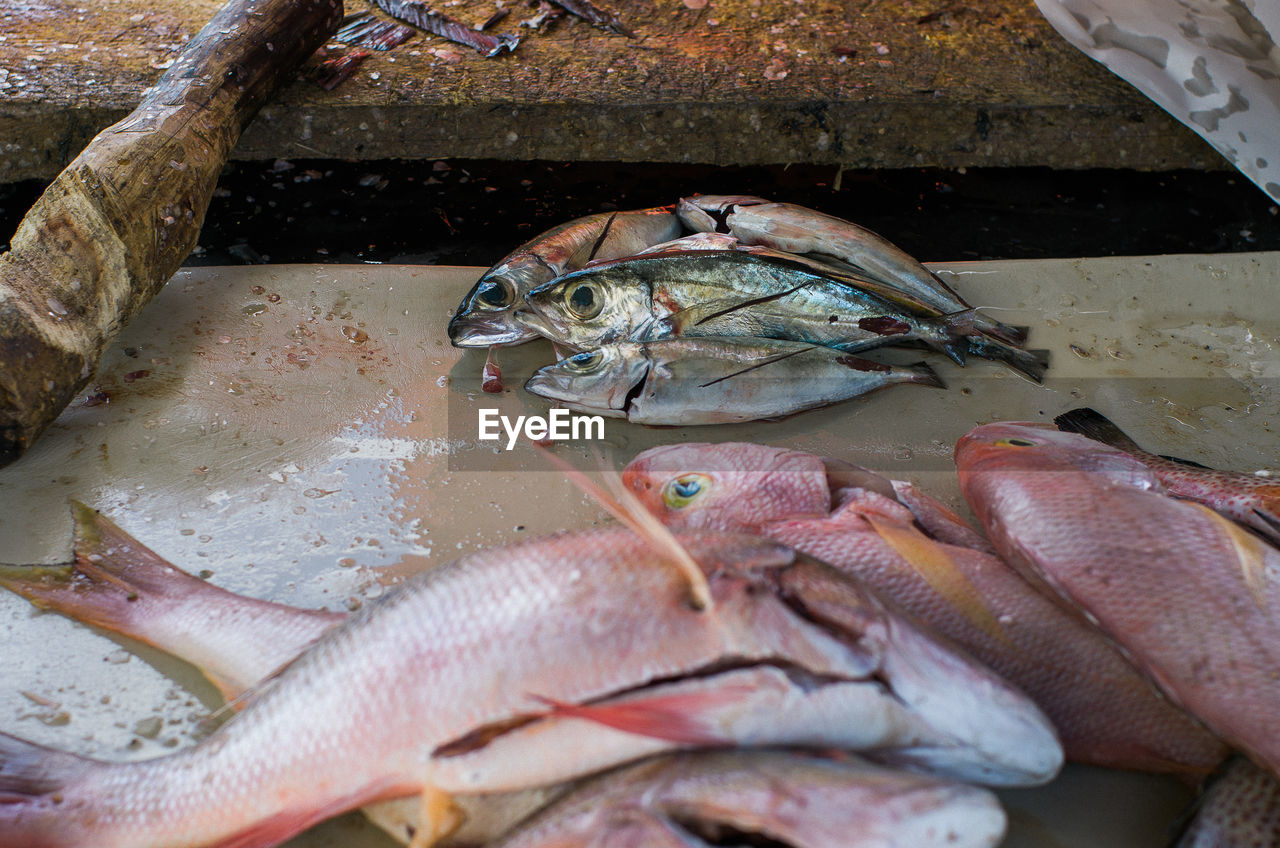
531,665
1191,597
1240,808
1105,712
1245,498
676,801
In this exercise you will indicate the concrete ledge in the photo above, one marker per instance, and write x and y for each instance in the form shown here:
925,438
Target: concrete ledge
890,84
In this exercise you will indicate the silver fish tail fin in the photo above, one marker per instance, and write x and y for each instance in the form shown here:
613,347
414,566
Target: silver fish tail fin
956,349
968,322
32,780
922,374
1032,363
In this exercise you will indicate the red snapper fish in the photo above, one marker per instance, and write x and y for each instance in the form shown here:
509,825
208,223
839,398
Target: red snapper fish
917,553
695,800
1246,498
1190,596
1240,808
531,665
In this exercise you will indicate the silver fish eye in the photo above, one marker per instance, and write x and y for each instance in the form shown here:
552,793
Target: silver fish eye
582,301
584,362
494,294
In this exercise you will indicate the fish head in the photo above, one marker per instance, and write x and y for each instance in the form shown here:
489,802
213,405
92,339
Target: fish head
735,486
486,315
974,725
806,656
1010,447
589,308
1004,469
602,381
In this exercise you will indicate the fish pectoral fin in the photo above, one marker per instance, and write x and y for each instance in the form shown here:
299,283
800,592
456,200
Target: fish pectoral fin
695,314
938,567
623,505
673,717
1251,554
438,817
1270,517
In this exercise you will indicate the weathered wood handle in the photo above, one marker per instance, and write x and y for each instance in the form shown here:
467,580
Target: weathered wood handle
116,224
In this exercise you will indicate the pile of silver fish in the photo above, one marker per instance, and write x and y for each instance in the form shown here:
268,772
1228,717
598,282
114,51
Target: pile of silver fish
1133,597
755,315
480,690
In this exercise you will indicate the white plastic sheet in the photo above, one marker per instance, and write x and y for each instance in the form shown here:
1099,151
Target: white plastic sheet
1212,64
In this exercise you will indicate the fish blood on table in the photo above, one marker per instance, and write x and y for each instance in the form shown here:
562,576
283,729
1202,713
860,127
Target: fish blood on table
1106,713
784,651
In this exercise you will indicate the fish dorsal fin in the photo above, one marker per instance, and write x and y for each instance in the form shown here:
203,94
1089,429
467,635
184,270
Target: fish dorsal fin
938,567
619,502
1251,553
1094,425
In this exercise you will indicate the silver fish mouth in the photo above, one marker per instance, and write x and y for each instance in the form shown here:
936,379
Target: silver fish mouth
558,388
532,321
497,329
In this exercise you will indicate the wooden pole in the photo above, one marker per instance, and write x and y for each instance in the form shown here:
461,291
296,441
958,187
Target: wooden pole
117,223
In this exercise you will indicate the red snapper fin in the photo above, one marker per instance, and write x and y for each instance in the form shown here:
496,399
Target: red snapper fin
671,717
1094,425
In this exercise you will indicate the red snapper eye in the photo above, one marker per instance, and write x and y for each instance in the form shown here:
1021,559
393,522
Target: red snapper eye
686,488
1015,442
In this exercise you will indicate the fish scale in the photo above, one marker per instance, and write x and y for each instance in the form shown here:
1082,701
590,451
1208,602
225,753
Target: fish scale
1106,713
364,714
789,800
1191,597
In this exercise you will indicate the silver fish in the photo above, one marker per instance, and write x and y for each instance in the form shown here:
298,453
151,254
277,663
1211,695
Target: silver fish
696,800
714,380
738,293
797,229
579,677
484,316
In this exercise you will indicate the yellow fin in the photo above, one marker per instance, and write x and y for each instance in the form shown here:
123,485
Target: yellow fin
626,507
1251,553
939,569
438,817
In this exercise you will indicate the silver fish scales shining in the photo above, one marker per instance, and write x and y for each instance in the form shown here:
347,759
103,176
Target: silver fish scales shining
683,293
485,315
